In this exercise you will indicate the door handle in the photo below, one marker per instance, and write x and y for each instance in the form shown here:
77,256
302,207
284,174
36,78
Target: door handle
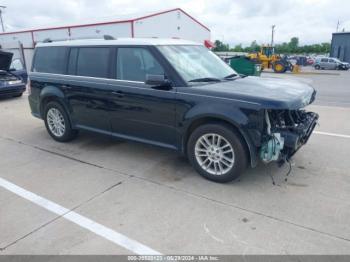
119,94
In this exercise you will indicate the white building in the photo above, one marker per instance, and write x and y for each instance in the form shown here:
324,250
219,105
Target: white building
174,23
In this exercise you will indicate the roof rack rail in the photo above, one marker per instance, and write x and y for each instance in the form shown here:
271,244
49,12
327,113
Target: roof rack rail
47,40
108,37
105,37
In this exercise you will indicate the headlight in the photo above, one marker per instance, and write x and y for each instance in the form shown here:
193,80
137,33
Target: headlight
14,82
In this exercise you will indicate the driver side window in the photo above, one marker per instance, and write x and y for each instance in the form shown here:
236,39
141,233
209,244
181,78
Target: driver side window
133,64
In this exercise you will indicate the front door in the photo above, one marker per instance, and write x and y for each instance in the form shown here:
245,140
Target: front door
140,111
332,64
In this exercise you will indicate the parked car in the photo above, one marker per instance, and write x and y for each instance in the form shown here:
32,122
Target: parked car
330,63
18,69
171,93
11,84
310,61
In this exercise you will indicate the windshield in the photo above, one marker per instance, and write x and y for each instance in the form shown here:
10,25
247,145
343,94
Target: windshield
336,60
196,62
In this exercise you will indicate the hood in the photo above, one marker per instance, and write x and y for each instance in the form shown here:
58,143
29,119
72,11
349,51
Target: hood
269,93
5,60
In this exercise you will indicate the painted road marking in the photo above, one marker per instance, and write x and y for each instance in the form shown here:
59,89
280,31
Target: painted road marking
331,134
80,220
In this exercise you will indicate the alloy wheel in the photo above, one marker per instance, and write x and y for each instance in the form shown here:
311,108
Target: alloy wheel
55,121
214,154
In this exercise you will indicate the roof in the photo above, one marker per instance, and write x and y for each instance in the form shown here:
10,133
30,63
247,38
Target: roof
120,41
341,33
122,19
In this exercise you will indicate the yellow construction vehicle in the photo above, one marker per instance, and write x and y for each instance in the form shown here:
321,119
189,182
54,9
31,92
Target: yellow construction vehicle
268,59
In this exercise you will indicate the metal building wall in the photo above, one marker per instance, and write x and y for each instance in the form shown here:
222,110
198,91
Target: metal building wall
340,46
25,38
97,31
175,24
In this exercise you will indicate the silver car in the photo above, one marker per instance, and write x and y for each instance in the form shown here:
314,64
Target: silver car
330,63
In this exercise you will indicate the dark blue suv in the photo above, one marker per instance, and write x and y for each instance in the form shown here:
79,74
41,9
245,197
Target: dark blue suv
170,93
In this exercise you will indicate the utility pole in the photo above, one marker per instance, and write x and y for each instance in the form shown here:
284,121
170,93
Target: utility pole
2,22
338,25
272,36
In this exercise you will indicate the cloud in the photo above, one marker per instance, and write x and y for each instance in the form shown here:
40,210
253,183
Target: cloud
240,21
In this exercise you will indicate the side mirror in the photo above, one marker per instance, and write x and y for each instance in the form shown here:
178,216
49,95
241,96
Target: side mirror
158,82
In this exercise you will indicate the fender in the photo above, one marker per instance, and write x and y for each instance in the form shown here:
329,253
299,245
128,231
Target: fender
229,114
53,92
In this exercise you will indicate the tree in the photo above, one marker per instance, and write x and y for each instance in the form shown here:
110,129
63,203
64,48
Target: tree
282,48
292,47
326,47
237,48
254,47
293,44
220,46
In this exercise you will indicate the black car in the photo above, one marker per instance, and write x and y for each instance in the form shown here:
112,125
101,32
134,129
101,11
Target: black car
170,93
12,82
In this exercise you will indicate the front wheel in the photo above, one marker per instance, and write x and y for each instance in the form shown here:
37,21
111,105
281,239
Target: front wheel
57,123
279,67
217,152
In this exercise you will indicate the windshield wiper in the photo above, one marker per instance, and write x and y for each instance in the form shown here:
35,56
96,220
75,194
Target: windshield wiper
231,76
206,79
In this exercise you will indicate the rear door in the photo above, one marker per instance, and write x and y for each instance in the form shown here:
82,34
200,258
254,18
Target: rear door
140,111
87,87
324,63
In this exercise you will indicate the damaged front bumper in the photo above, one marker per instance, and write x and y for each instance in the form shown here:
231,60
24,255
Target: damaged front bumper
286,132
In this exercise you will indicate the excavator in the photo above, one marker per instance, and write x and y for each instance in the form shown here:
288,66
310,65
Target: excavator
268,59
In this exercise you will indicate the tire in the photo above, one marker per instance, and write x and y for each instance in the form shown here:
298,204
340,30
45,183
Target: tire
18,95
279,67
228,171
54,112
317,67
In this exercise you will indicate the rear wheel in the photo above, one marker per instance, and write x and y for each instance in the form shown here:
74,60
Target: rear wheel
317,67
57,123
217,152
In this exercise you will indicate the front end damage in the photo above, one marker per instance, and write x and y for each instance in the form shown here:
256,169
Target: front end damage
286,131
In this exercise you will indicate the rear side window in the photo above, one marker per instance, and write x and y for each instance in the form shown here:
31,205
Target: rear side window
93,62
324,60
135,63
50,60
72,61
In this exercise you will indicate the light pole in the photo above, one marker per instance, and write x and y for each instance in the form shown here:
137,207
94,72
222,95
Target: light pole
2,22
272,36
338,25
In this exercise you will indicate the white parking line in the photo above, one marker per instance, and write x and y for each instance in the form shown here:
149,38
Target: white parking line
331,134
80,220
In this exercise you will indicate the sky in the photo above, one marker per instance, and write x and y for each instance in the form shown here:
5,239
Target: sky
231,21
